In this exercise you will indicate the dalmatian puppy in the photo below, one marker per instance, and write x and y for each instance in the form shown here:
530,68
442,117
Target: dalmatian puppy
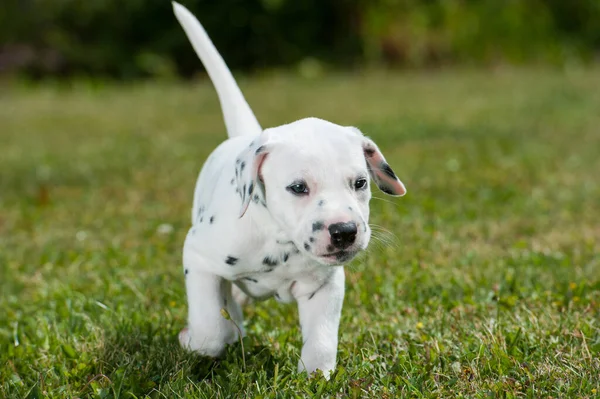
276,213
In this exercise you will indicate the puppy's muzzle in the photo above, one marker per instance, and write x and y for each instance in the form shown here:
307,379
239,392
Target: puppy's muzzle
342,235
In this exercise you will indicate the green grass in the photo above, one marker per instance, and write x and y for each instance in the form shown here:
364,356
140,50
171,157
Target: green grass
484,281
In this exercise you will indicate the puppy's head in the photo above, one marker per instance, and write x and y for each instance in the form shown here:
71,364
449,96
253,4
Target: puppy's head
314,176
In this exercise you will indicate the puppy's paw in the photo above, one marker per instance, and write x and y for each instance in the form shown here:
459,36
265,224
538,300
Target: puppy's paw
310,364
184,339
314,371
211,344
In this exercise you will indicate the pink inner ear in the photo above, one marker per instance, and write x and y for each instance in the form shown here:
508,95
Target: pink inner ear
260,159
387,183
374,157
255,175
395,186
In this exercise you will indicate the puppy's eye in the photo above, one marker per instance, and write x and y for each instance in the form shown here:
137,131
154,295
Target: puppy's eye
360,184
298,188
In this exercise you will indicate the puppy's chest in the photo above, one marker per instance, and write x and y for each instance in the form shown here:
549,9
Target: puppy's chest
280,271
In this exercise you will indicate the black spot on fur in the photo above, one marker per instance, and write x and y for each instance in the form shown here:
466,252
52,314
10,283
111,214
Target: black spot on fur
256,199
387,170
238,161
350,208
277,296
330,248
231,260
242,165
319,225
312,295
369,151
311,239
286,257
251,188
251,279
306,246
244,190
186,271
386,189
284,242
269,261
201,219
260,150
251,144
212,219
321,203
232,180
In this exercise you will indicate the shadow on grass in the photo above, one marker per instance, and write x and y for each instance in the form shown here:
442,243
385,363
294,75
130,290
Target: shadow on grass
140,359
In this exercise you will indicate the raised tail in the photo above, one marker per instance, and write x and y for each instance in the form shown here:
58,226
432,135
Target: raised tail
239,118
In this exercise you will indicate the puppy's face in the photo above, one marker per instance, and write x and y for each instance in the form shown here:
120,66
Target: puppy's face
318,192
316,176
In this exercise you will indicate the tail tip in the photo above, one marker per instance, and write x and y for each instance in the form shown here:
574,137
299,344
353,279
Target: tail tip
176,6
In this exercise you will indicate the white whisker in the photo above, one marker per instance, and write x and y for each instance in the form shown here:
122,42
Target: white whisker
383,236
384,200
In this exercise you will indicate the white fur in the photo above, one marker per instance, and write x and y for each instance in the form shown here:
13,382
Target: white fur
251,236
239,118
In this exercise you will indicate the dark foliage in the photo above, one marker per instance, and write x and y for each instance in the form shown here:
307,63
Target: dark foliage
135,38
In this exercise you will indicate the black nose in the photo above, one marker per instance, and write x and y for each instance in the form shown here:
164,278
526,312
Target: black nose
342,234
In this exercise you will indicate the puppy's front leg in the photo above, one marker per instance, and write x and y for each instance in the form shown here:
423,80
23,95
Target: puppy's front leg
208,332
320,314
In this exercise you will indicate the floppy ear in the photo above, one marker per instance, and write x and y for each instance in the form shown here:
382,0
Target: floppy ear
380,171
247,169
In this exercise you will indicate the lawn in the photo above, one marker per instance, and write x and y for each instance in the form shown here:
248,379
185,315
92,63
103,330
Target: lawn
483,281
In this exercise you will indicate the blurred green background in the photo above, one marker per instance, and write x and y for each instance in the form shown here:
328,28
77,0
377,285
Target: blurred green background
127,39
483,282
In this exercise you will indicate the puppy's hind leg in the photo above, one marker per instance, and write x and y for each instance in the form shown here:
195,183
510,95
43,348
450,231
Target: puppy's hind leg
208,330
235,302
240,296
